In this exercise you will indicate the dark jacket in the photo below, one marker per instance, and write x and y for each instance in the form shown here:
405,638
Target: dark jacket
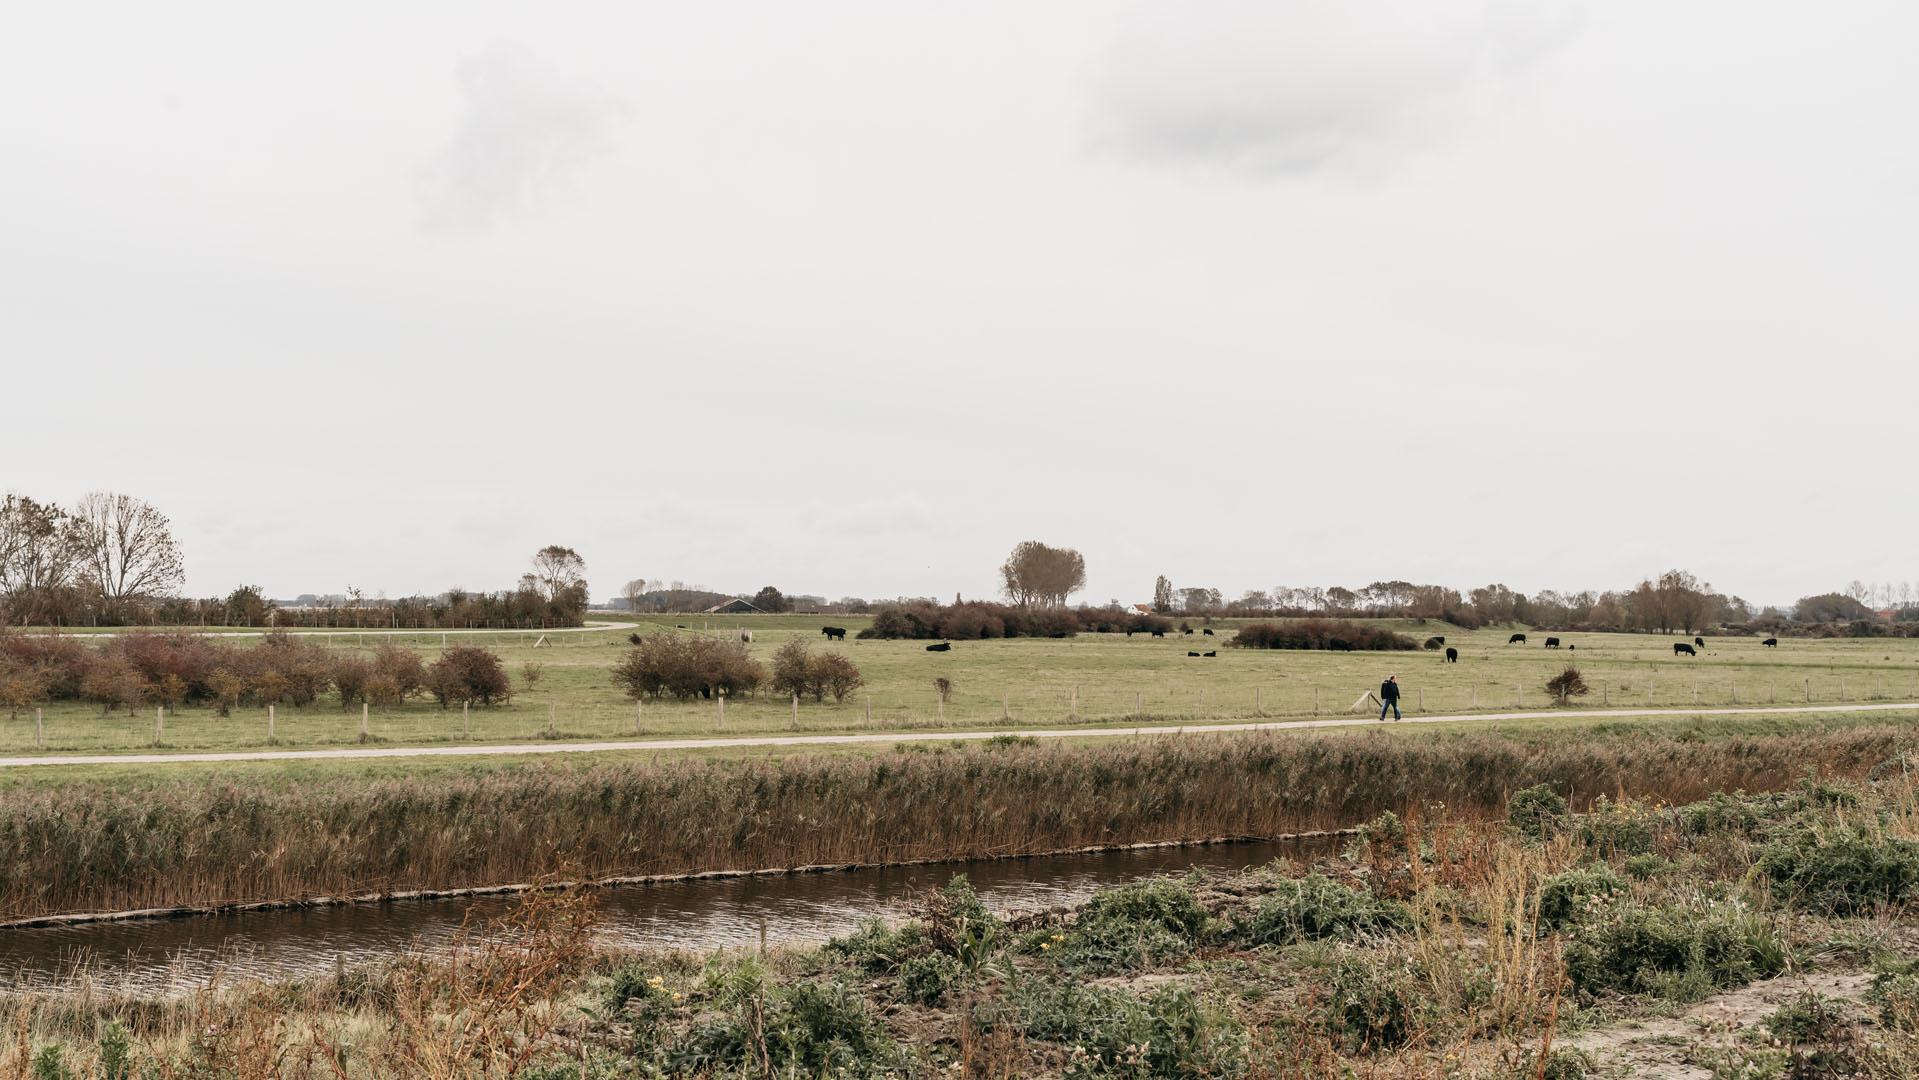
1389,691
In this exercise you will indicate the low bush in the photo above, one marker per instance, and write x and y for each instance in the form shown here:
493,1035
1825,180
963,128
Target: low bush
1337,635
1133,927
1618,828
1567,895
970,620
1566,685
1537,812
1314,908
1111,1032
1846,870
688,665
468,674
1682,951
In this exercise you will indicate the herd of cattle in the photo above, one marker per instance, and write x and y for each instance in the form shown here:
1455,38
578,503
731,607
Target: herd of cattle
1679,648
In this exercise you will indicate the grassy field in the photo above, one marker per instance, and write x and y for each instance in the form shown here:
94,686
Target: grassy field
1091,679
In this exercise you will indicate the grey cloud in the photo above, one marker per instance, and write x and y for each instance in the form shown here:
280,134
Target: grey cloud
1298,87
525,132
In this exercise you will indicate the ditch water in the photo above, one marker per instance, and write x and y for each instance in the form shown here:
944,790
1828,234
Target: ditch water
174,955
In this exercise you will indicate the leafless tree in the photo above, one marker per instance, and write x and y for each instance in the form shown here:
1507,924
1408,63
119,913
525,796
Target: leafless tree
1163,594
39,553
557,569
1037,574
633,591
129,551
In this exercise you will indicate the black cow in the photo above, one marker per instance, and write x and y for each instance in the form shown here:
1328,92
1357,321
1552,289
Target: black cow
1159,633
1187,630
1441,639
1572,646
679,626
1552,643
1211,652
834,633
634,638
1771,643
1452,655
1192,654
944,646
1699,641
1516,639
1208,631
1680,648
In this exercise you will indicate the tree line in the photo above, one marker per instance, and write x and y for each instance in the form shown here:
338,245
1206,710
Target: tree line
112,559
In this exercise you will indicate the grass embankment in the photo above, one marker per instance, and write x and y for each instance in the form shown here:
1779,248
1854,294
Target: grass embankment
1023,682
192,839
1434,948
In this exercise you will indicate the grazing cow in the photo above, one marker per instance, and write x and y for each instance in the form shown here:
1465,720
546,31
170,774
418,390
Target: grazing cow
1516,639
834,633
1452,655
1187,630
1680,648
1208,631
944,646
1211,652
1159,633
1699,641
1057,633
1552,643
1771,643
1192,654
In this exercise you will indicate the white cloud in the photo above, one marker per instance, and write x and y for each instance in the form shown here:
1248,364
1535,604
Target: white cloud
525,132
1300,86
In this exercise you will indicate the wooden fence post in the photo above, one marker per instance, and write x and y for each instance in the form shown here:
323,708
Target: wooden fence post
1605,694
271,718
1135,703
159,723
869,710
365,731
722,699
639,710
1808,690
39,727
550,709
1257,711
466,719
796,708
1005,709
1074,715
1315,701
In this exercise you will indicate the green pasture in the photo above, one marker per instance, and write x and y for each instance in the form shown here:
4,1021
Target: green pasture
1093,679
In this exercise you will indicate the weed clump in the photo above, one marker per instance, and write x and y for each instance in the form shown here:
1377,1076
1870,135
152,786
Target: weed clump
1315,908
1843,870
1133,927
1569,894
1681,951
1537,812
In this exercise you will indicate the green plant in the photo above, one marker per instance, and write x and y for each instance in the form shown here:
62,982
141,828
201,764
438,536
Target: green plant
1133,927
1316,907
1537,812
1373,1002
1565,896
1682,950
1843,870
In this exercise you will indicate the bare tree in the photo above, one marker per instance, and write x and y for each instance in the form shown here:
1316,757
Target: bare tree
633,591
1163,594
1037,574
557,569
40,552
129,551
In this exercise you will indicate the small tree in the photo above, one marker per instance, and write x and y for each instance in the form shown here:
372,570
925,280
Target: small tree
633,591
530,673
791,668
944,687
1567,685
20,687
770,599
467,673
227,690
832,673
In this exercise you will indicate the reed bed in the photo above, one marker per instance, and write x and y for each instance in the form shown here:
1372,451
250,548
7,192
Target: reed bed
207,841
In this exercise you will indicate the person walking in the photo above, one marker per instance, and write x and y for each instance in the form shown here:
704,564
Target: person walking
1389,697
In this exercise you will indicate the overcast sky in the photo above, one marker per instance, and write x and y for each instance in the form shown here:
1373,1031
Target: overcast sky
850,298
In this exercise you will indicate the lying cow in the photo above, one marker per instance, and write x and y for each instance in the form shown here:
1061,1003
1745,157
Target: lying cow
1192,654
944,646
1211,652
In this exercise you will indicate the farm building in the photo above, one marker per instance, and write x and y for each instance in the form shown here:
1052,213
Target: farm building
735,606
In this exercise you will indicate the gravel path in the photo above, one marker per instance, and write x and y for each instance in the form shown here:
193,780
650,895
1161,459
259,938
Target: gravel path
898,737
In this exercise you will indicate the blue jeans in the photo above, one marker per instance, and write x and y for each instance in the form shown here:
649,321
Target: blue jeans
1390,703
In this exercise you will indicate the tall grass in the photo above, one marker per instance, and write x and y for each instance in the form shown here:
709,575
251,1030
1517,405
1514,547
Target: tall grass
207,841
